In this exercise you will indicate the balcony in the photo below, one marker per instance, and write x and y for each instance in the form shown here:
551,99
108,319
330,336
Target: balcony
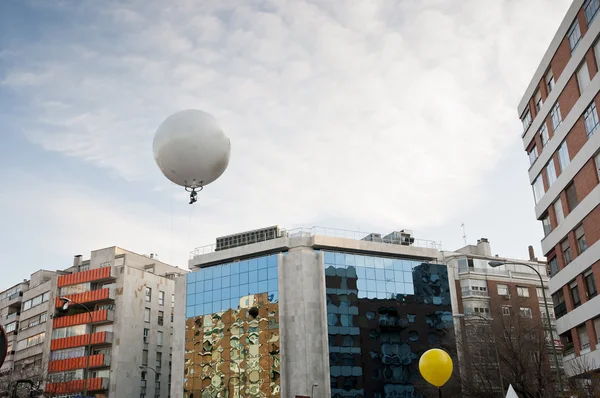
92,275
95,384
12,316
80,341
475,293
96,361
90,297
98,317
15,300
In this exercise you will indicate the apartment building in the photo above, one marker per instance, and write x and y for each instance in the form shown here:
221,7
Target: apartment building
112,314
24,311
560,122
508,297
311,312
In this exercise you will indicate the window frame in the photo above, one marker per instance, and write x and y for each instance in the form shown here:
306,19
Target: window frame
551,262
147,315
563,156
574,35
591,127
566,251
526,119
586,76
533,155
590,13
571,193
544,135
587,276
559,212
581,239
523,291
551,172
555,116
148,294
538,188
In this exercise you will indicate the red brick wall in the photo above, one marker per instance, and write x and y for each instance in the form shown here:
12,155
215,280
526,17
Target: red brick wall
591,227
569,96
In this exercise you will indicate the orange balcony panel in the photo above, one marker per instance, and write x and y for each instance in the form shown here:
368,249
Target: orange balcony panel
95,384
62,365
83,318
87,297
80,341
91,275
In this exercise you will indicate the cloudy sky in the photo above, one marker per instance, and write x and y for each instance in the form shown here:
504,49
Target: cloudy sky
370,115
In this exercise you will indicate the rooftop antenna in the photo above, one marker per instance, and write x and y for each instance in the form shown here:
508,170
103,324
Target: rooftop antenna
464,232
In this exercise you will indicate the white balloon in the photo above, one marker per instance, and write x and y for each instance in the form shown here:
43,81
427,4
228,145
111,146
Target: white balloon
191,149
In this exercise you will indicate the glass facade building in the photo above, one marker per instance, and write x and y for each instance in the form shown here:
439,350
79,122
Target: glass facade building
349,320
382,314
232,330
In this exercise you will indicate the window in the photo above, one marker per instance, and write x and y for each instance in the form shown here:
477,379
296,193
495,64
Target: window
575,294
159,338
537,100
158,358
37,300
590,284
148,294
11,327
597,158
555,116
505,310
583,76
540,292
584,339
526,119
161,298
146,335
502,290
550,81
544,134
68,353
533,155
572,201
591,8
563,156
70,331
546,224
538,188
161,317
558,299
525,312
522,291
566,249
145,357
146,314
31,341
574,35
553,265
550,172
558,211
581,241
172,301
590,117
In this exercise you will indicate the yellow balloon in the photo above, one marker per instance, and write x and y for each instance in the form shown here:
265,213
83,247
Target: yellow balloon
435,366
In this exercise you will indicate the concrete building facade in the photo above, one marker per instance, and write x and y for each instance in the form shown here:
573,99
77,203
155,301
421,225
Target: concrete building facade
25,311
131,302
560,121
317,312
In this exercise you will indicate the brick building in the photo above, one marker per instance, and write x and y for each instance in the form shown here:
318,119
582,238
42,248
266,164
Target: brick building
498,297
560,121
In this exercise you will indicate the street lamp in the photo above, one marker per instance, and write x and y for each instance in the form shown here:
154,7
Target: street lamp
495,264
462,319
65,306
312,390
142,367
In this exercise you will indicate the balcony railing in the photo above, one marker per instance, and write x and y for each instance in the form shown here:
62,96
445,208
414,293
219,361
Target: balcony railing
334,233
474,293
80,341
94,384
92,275
12,316
92,296
83,318
96,361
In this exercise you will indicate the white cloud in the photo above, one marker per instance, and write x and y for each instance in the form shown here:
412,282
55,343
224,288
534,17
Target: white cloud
383,113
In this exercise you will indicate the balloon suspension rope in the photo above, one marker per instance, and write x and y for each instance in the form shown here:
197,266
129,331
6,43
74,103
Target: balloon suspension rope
193,193
440,392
